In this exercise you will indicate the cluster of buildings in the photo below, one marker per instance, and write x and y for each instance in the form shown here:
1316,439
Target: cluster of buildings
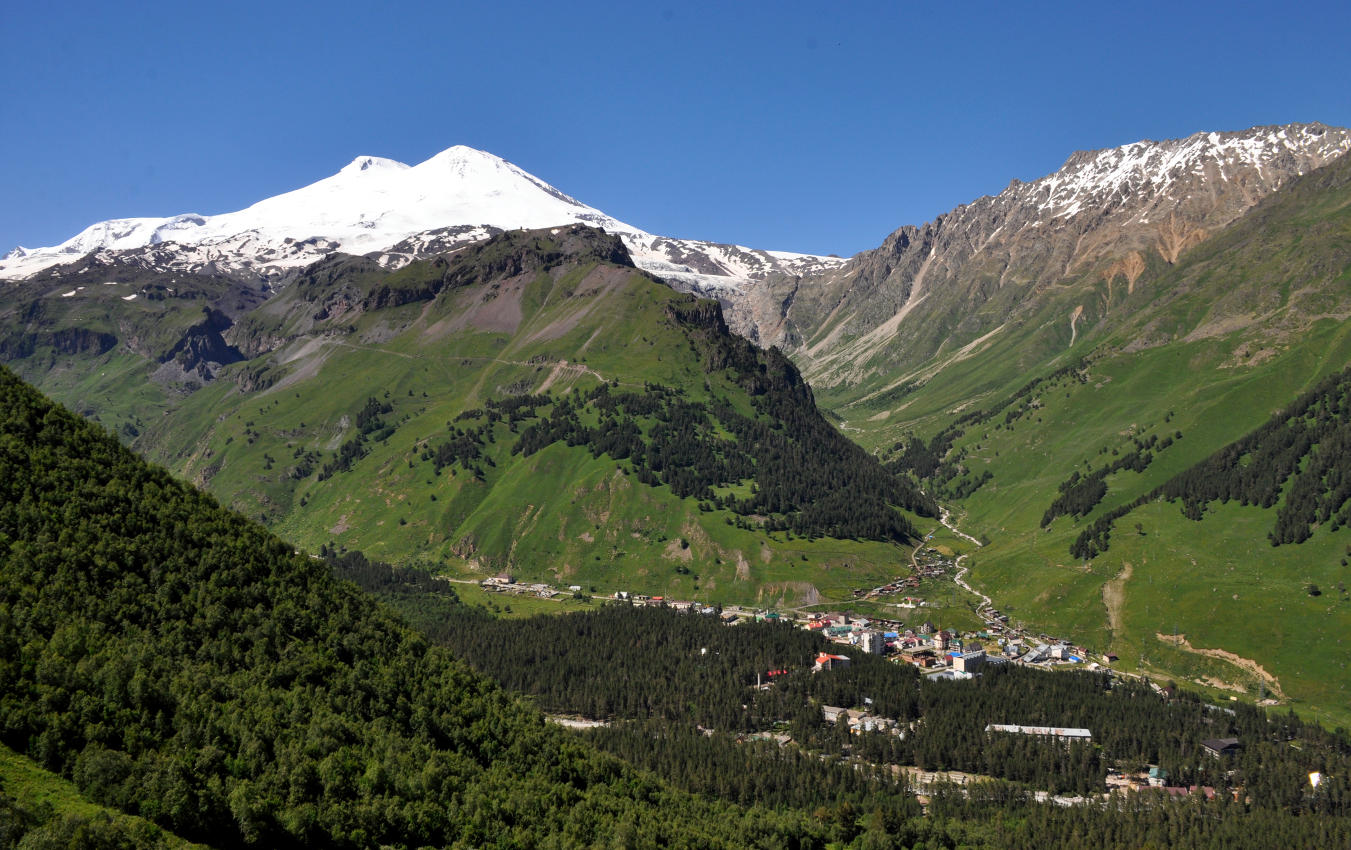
892,588
943,650
505,584
945,653
1057,733
1156,779
861,721
928,647
643,600
960,653
929,563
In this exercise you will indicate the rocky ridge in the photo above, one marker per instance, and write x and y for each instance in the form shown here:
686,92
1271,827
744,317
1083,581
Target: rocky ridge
1099,222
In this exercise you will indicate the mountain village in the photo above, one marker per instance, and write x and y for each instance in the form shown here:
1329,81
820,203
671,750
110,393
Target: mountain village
944,653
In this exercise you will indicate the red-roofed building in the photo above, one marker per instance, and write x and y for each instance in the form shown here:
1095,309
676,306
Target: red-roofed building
826,661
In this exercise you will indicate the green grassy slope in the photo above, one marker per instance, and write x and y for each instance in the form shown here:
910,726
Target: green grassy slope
183,667
1172,574
99,336
43,810
281,436
1209,348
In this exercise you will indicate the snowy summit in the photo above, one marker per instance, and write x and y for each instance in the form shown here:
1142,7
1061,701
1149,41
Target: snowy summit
397,212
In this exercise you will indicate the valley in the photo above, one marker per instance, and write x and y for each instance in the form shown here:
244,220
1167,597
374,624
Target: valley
1101,416
337,403
1186,397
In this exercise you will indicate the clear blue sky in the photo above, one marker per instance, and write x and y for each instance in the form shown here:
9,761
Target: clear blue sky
816,127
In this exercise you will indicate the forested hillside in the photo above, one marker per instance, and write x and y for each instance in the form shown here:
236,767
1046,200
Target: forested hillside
178,662
692,670
1296,464
680,696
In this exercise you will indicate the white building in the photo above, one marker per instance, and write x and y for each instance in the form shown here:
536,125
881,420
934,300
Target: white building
969,662
873,643
1063,732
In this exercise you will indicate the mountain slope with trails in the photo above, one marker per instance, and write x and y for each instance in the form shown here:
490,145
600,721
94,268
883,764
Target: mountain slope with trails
1169,488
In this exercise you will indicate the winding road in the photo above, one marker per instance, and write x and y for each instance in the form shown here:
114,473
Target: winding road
960,579
945,517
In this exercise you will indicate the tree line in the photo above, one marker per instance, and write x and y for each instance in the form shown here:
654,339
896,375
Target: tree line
1080,494
178,662
804,477
1295,462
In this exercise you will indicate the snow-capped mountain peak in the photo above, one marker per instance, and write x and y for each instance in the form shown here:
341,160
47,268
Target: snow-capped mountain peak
368,163
395,212
1148,169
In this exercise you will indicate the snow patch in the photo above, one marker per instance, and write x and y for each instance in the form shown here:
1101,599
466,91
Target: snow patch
1097,178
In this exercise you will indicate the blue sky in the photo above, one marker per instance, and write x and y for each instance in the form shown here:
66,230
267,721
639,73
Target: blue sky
817,127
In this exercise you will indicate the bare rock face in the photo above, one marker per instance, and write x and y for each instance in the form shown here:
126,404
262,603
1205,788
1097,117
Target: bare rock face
202,350
1103,218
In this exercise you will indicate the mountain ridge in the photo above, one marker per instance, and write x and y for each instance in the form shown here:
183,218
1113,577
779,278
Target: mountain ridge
1043,442
395,213
533,403
1202,274
1100,220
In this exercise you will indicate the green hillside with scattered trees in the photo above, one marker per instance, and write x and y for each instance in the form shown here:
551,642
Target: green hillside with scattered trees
1166,487
532,404
174,671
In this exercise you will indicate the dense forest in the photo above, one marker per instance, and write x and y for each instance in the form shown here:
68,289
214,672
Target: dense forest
679,692
178,662
40,827
685,669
